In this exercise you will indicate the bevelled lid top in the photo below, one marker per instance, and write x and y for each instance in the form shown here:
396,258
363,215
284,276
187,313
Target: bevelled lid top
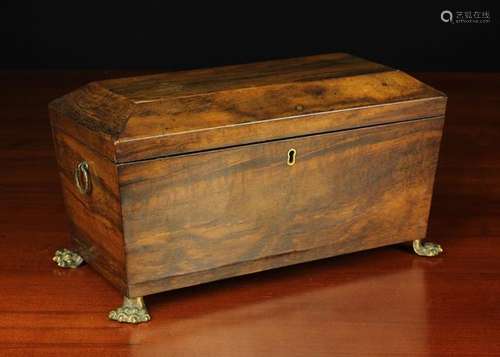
166,114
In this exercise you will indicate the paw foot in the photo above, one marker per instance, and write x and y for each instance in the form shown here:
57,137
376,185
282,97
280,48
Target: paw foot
65,258
133,311
427,249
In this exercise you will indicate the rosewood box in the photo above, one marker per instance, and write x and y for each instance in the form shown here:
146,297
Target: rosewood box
182,178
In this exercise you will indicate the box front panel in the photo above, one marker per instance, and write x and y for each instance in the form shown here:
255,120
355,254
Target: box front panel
344,192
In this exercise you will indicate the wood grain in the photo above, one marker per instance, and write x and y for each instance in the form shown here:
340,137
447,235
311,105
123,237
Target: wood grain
157,87
348,191
222,119
138,118
220,202
95,219
382,302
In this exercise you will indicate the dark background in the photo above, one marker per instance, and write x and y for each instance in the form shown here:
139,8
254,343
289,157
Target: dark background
173,35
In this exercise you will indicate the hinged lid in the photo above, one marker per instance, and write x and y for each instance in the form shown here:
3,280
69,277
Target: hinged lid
166,114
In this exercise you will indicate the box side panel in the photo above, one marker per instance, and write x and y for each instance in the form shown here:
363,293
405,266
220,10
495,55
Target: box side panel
201,217
98,142
95,218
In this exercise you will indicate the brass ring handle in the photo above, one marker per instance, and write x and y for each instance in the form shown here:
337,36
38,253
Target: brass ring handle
82,174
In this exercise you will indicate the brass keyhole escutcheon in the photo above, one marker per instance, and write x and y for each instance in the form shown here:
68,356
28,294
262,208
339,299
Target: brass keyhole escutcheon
82,177
292,155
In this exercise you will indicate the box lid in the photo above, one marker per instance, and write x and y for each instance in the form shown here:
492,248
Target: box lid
166,114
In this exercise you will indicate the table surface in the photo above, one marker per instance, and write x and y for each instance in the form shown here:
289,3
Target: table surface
386,301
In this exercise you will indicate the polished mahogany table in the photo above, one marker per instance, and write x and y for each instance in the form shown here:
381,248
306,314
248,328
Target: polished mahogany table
382,302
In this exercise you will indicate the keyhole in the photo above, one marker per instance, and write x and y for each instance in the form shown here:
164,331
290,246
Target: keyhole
292,153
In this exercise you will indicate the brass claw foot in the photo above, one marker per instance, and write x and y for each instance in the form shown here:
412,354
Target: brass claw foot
65,258
427,249
133,311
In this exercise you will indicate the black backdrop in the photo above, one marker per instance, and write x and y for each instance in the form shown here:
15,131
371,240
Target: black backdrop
174,35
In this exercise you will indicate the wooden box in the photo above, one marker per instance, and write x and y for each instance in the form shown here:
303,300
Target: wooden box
182,178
